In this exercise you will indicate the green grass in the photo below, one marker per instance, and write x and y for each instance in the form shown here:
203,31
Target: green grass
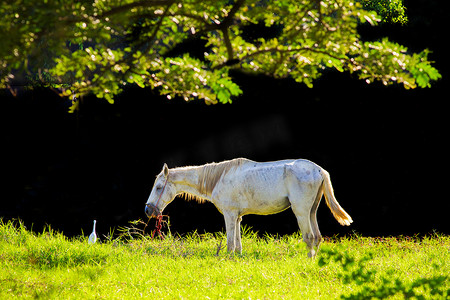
51,266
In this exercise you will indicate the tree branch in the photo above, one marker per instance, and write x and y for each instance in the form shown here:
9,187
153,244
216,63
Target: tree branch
284,51
226,39
229,18
227,22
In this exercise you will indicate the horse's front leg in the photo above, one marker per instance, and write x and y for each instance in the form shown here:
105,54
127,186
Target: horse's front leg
230,225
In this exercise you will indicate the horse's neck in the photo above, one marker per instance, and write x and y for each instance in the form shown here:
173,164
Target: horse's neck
187,181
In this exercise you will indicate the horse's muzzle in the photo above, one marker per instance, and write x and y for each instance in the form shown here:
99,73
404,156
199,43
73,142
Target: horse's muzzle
151,211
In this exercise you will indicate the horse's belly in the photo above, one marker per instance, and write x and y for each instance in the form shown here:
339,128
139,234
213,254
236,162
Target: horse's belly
264,206
262,199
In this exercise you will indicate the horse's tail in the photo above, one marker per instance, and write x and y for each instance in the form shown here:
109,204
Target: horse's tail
338,212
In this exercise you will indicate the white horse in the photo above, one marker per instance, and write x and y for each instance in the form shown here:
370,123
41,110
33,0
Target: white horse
240,187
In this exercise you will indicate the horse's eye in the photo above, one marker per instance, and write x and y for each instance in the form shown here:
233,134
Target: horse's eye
158,188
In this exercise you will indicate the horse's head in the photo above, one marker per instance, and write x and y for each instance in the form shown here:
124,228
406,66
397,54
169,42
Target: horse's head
163,192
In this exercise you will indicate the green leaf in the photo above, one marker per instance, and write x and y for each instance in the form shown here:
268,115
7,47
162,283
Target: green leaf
145,45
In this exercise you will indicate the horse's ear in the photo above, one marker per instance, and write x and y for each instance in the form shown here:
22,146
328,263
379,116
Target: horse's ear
166,170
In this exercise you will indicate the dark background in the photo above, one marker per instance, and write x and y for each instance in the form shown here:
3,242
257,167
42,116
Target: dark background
385,147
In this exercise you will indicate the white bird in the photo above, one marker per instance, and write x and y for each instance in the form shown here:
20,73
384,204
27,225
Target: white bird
93,236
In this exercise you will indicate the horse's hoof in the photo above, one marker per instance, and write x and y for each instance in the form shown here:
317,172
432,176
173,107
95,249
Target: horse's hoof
311,254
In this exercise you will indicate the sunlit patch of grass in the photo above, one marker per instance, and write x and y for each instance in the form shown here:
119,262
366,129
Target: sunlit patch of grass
131,264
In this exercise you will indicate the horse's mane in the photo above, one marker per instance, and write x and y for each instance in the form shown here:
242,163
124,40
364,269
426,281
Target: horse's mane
211,173
190,197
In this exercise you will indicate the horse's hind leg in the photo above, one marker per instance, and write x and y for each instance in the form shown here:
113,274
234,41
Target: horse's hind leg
308,234
303,201
303,220
313,219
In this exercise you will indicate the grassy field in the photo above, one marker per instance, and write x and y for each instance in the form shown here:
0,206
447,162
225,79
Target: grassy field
51,266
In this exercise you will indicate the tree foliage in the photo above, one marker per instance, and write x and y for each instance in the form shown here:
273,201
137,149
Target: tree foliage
391,11
102,46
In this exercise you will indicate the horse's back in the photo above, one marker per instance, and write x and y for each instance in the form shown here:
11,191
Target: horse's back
294,164
269,178
277,176
252,175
